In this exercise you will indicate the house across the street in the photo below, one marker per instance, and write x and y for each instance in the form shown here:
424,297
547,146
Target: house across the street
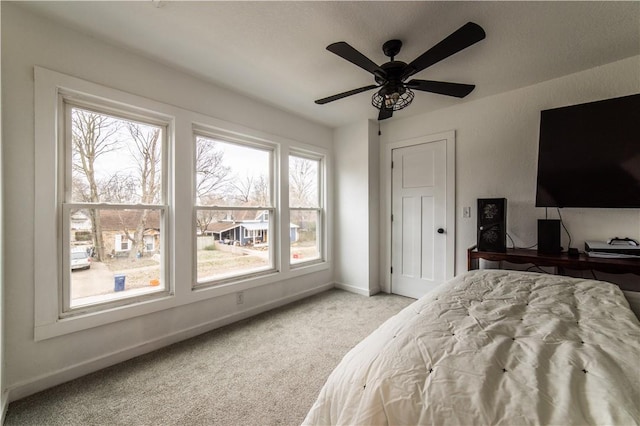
241,231
118,224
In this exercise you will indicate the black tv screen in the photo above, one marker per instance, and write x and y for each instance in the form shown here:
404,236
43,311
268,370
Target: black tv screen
589,155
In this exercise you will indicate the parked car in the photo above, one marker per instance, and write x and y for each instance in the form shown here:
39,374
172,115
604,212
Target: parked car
80,258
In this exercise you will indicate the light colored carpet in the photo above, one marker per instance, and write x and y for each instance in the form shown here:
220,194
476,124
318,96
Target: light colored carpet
266,370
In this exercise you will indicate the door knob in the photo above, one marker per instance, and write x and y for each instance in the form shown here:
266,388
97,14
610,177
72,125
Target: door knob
440,231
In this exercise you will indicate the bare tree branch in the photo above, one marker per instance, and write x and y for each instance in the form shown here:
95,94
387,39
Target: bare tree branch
93,135
211,175
261,191
146,150
302,182
243,188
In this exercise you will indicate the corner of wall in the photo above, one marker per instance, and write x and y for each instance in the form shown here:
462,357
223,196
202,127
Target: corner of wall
356,207
3,394
4,405
374,207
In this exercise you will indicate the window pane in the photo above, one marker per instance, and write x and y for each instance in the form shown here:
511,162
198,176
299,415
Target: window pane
228,174
232,243
114,254
303,182
114,160
304,236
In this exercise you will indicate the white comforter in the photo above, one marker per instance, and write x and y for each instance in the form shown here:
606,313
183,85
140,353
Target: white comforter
495,348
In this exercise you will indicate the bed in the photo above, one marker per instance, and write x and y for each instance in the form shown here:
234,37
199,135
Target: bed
494,347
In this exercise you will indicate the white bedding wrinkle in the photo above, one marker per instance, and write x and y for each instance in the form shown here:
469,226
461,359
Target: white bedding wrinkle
494,348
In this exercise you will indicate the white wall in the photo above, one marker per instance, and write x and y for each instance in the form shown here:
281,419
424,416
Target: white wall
28,40
497,149
356,153
351,190
374,212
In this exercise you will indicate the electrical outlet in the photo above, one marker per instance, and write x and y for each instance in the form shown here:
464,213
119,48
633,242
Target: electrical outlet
240,297
466,212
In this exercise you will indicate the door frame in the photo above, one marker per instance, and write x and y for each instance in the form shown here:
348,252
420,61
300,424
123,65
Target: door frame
386,201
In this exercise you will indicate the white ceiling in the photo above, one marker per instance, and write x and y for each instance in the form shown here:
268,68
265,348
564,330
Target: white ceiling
275,51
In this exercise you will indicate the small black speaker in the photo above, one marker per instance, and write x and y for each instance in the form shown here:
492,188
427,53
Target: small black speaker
549,236
492,224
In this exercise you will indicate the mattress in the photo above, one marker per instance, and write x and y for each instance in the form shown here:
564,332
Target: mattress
494,348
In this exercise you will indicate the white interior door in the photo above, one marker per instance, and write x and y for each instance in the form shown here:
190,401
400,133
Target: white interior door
419,212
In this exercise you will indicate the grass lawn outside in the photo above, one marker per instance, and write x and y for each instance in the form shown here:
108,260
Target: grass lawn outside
211,265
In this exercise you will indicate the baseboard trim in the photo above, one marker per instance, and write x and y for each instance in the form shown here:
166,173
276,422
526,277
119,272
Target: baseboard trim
4,405
353,289
40,383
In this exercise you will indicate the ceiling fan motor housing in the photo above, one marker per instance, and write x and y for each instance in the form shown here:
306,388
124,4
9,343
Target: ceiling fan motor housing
391,48
393,72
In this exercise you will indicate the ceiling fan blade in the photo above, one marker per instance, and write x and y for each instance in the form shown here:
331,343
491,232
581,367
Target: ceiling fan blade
345,94
345,51
458,90
470,33
385,113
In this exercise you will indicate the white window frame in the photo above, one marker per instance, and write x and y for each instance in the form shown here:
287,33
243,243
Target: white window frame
118,242
146,238
67,101
321,242
48,323
274,152
53,91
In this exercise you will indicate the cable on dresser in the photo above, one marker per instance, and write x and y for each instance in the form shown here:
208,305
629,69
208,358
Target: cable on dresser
514,244
565,228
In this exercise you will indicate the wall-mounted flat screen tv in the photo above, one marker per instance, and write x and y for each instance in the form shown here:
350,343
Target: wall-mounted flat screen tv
589,155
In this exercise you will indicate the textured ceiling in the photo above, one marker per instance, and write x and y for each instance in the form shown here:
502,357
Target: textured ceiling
275,51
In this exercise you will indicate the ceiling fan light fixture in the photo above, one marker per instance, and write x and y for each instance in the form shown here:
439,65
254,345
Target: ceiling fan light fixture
390,100
394,101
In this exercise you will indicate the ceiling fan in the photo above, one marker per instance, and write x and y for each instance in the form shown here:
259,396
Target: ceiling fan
395,92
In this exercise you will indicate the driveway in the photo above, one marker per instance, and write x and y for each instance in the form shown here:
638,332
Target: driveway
92,282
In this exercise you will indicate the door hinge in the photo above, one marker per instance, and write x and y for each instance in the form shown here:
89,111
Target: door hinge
392,269
392,164
391,218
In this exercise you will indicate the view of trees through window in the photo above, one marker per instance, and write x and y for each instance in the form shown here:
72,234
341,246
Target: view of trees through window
304,199
115,163
142,206
234,223
115,203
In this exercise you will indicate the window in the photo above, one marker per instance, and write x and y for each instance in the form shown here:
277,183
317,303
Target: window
121,243
114,189
306,212
130,214
234,204
149,243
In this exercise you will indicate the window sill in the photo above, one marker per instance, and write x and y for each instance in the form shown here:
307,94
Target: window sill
246,283
126,297
138,308
86,321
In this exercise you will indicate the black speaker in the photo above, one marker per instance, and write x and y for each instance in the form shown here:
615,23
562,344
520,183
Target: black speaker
492,224
549,236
